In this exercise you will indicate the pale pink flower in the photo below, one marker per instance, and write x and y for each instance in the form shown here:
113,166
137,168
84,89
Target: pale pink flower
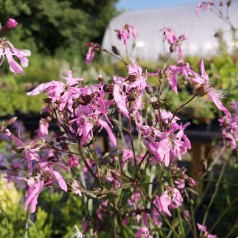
9,51
206,233
119,94
143,232
43,128
171,198
11,23
206,5
204,88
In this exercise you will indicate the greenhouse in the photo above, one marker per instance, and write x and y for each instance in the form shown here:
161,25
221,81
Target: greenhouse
181,19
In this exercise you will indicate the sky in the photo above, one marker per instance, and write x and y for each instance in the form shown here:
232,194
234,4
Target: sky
151,4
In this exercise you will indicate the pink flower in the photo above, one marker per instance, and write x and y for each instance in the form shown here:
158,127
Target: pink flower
125,32
143,232
34,189
73,161
92,48
171,198
167,145
11,23
9,51
173,71
206,233
119,94
43,128
30,150
174,41
229,127
206,5
46,176
59,92
204,88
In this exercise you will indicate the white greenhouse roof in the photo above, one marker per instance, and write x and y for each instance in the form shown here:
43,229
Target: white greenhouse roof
182,19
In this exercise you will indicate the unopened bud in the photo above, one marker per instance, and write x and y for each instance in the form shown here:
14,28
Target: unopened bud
11,121
186,215
108,88
115,50
100,79
47,100
149,90
132,78
229,3
2,167
11,23
217,34
200,91
172,48
132,96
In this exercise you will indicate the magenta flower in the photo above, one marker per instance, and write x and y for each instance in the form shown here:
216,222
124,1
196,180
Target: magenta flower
167,145
92,48
9,51
125,32
204,88
46,176
172,73
11,23
73,161
174,41
34,189
229,127
59,92
30,150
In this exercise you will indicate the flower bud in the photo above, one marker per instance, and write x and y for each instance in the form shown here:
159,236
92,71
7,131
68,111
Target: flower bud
229,3
186,215
100,79
115,50
11,23
131,78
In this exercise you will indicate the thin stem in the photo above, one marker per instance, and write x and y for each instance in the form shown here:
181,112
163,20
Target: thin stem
87,165
176,111
223,213
132,145
214,194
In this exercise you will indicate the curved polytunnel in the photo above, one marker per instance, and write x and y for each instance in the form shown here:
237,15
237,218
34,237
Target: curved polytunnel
182,19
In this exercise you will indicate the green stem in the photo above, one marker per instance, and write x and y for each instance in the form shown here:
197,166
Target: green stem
214,194
223,213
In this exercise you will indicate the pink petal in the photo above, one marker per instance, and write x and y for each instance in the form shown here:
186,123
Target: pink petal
109,131
60,180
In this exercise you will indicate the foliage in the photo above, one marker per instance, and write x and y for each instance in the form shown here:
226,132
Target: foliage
66,22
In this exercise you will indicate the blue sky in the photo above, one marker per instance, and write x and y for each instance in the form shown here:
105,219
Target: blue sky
150,4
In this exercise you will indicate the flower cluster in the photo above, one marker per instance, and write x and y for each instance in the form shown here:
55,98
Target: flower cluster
145,140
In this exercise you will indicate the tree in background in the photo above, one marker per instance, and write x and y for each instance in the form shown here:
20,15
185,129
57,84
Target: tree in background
58,26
